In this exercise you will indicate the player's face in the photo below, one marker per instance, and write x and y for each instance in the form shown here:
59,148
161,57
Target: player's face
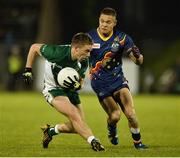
106,24
83,52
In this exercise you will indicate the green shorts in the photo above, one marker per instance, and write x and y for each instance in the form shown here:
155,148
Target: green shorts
72,95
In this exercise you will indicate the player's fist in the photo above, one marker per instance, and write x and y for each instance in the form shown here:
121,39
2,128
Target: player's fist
27,76
136,52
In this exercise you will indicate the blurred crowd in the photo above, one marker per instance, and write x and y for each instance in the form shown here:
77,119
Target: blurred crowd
168,82
17,31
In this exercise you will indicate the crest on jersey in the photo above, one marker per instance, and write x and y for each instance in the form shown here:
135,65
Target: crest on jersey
115,45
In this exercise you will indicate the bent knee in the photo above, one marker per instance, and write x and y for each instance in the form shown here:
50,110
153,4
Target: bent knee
115,116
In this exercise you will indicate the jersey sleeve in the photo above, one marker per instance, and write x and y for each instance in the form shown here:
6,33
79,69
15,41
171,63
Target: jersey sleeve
53,53
128,43
84,66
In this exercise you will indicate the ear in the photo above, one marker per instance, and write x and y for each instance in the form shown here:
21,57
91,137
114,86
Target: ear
76,48
74,52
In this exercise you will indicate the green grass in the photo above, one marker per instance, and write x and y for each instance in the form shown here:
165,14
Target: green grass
22,114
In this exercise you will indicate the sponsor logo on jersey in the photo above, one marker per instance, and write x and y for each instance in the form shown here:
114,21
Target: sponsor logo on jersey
96,46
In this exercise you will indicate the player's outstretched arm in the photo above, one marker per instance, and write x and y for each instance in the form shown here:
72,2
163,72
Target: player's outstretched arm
33,52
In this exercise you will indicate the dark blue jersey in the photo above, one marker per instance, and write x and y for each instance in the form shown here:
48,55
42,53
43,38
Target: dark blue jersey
106,60
105,56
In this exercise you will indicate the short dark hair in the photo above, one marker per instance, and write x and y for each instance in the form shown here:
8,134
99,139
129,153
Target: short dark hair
109,11
81,39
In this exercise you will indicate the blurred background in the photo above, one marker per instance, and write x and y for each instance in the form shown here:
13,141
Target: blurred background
153,25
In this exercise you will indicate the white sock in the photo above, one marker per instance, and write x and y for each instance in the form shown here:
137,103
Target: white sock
56,128
89,139
134,130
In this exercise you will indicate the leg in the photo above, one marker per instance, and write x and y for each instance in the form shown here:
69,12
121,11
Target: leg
125,101
113,111
76,124
64,106
49,132
124,98
68,127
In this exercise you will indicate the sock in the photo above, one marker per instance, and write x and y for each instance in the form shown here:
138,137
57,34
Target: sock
90,138
112,125
56,128
136,135
53,131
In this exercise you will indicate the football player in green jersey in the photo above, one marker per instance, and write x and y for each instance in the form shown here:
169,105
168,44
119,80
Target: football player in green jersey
65,100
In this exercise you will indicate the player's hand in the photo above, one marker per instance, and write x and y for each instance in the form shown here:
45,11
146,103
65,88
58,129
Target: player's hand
74,85
27,76
136,52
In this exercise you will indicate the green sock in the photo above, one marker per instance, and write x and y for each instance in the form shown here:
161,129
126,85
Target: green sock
52,132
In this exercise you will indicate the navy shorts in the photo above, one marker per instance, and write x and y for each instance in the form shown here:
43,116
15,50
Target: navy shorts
104,88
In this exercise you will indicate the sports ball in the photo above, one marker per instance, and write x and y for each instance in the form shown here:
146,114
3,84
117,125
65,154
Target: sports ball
65,73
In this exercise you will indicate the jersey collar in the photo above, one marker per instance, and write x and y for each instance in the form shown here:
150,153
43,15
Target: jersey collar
104,38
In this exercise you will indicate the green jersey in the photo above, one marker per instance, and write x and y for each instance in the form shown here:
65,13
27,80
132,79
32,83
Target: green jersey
58,57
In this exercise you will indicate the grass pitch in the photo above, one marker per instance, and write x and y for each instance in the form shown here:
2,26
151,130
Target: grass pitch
22,114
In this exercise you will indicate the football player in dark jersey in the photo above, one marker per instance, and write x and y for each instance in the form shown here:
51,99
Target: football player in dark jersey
107,78
65,100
